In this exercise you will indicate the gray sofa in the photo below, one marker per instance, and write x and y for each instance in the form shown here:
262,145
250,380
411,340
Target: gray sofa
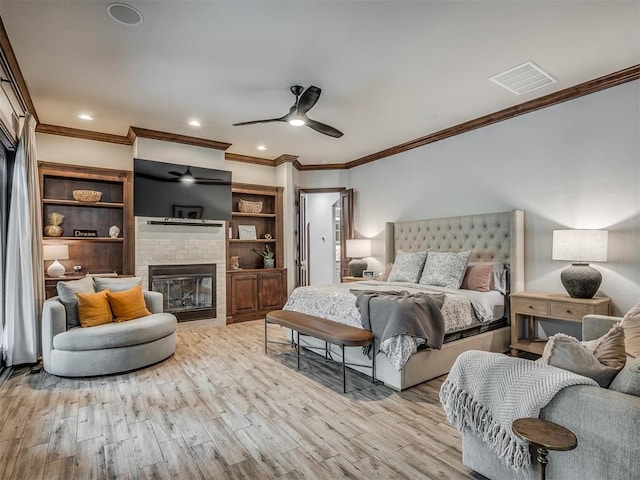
106,349
605,422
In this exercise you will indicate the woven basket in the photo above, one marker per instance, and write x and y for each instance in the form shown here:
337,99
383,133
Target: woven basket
87,196
245,206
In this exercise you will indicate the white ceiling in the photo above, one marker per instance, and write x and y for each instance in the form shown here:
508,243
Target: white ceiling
386,68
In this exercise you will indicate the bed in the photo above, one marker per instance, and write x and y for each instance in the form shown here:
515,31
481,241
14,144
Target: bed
474,320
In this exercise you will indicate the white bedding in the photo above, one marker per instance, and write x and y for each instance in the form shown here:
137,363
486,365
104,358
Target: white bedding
335,302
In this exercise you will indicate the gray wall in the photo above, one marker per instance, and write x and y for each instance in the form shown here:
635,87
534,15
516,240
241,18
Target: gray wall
574,165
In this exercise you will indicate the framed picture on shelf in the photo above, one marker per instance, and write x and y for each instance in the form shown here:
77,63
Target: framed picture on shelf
187,212
247,232
367,273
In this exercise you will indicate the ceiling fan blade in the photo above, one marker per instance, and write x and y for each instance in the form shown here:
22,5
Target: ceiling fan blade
252,122
177,173
308,99
324,128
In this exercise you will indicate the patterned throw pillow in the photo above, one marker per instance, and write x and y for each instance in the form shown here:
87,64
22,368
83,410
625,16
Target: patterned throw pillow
407,267
67,293
445,269
599,359
631,325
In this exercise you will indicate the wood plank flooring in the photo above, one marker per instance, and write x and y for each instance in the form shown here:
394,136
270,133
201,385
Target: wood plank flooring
218,409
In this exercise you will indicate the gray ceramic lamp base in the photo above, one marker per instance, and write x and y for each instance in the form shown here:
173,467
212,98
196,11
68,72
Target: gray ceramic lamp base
357,266
580,280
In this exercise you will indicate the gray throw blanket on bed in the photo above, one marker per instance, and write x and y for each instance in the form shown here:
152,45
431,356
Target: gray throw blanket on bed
485,392
390,313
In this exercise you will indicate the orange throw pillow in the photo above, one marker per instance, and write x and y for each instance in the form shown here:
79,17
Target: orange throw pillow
128,304
93,309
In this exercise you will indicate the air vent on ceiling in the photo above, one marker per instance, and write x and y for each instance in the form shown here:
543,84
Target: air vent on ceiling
523,78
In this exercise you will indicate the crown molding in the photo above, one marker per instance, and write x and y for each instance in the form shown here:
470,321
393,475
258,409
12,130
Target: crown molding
235,157
177,138
83,134
592,86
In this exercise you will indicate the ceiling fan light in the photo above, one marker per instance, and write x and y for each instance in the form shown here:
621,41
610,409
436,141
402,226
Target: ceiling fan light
296,122
188,178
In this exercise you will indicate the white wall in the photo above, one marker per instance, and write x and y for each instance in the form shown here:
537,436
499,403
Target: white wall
250,173
574,165
322,257
180,153
77,151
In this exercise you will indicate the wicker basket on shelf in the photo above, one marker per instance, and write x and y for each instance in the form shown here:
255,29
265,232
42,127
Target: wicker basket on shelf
87,196
245,206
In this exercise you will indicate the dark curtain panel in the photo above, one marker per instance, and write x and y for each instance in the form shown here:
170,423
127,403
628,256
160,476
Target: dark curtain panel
4,202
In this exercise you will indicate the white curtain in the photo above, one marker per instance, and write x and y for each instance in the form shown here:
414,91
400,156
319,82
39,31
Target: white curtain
24,277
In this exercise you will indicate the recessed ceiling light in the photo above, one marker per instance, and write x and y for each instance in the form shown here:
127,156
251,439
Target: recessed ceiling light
85,116
261,147
124,14
195,123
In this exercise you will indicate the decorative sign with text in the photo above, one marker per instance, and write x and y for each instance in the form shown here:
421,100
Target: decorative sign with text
85,233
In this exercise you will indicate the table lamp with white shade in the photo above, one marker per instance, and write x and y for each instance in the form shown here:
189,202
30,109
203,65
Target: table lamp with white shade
357,249
55,252
580,247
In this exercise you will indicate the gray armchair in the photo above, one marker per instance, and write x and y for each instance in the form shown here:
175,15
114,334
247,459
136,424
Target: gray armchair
606,423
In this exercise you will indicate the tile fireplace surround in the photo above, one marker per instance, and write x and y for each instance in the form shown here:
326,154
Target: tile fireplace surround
181,244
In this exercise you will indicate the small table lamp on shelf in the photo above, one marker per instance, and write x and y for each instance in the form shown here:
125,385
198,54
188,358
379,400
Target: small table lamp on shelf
580,247
357,248
55,253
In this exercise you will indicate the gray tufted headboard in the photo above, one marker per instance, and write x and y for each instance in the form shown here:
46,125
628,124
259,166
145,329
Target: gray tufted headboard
492,237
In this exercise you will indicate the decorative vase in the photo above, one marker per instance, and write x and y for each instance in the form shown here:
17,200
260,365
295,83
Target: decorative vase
53,231
269,262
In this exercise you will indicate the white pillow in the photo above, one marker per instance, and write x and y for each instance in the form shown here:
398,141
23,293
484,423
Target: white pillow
116,284
407,266
445,269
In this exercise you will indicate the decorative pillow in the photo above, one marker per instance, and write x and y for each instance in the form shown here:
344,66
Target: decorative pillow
93,309
128,304
67,294
477,277
599,359
631,325
499,277
445,269
116,284
407,267
628,380
387,271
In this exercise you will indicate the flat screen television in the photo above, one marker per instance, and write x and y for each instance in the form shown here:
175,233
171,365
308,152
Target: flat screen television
168,190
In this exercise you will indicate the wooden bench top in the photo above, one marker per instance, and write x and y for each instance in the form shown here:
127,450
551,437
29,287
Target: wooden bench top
321,328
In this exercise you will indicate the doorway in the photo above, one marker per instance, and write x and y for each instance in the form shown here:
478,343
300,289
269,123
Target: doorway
325,222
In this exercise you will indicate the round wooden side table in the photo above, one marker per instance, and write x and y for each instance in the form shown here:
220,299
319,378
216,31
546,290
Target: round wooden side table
544,436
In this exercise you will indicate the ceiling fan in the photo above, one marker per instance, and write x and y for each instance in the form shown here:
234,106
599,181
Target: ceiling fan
188,178
297,116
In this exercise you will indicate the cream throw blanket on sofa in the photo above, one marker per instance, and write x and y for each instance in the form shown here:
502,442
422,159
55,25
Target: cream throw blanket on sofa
485,392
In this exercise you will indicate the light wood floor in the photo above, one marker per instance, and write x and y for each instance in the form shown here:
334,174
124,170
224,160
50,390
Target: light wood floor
222,409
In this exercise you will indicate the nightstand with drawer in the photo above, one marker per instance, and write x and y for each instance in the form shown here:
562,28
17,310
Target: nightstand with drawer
532,305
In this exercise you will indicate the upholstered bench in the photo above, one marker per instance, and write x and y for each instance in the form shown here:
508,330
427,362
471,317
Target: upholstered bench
323,329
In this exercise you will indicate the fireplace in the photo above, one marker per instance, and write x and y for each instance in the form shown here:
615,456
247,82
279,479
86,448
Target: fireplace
189,291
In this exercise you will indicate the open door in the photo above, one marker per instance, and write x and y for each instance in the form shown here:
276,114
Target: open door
303,241
346,228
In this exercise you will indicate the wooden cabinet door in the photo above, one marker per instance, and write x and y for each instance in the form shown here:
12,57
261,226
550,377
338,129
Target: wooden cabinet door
270,290
244,293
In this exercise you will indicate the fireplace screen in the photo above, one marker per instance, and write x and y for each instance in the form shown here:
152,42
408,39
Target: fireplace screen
188,291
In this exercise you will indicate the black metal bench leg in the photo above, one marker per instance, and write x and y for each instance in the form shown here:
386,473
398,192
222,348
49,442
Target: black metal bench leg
373,367
344,372
265,335
298,348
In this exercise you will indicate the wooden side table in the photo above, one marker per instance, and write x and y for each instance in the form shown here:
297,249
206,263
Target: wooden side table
531,305
545,436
